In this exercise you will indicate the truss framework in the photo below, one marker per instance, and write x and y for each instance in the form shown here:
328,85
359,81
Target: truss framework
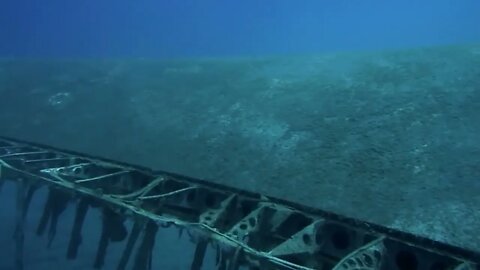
247,229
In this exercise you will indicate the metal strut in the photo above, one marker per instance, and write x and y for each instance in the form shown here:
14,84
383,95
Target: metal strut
246,229
19,235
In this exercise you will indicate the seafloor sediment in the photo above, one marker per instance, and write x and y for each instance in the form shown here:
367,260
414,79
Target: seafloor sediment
389,137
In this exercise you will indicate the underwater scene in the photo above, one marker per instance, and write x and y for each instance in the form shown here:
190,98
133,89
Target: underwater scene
329,135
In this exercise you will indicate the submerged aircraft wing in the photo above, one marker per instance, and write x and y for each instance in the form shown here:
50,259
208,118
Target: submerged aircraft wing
244,229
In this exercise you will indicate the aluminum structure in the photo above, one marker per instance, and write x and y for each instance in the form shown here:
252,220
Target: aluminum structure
247,230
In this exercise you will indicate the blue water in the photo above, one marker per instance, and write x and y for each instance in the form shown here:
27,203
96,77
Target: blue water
184,28
389,137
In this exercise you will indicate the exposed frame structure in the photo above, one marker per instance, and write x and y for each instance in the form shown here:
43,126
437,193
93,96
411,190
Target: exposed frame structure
247,229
